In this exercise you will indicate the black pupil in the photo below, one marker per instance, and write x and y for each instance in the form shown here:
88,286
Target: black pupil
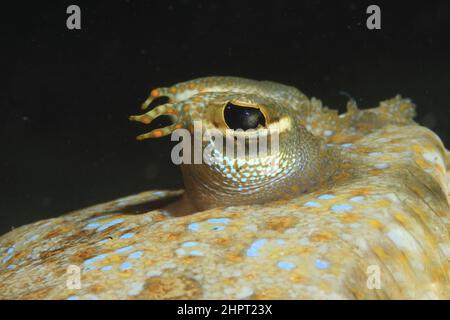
238,117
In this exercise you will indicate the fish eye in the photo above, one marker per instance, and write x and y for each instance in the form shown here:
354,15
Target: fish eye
241,117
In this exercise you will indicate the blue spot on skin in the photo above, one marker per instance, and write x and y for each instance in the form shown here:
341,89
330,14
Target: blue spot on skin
6,259
312,204
221,220
89,268
286,265
357,199
94,259
9,254
110,224
127,235
346,145
189,244
124,249
341,207
255,246
180,251
322,264
135,255
11,267
194,227
218,228
281,242
33,238
92,226
106,268
326,197
196,253
103,241
126,266
73,298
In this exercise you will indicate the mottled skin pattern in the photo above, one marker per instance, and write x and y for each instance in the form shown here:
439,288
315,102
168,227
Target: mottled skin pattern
374,193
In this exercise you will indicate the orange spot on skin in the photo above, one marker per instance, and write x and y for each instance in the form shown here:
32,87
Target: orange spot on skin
145,119
113,259
365,150
302,250
96,288
379,251
186,108
178,126
233,257
149,262
295,189
172,111
396,149
297,278
349,217
374,172
360,192
421,163
345,165
189,259
417,148
221,241
382,204
281,223
155,93
125,274
157,133
342,176
173,90
229,281
321,236
338,138
376,224
268,294
159,217
172,236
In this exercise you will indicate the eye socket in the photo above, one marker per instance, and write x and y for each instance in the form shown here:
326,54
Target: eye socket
239,117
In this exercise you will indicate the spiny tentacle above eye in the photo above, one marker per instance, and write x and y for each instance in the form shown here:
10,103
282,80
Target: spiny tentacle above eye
167,109
147,118
301,161
157,93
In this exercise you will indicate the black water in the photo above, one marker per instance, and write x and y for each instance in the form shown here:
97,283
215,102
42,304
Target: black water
66,95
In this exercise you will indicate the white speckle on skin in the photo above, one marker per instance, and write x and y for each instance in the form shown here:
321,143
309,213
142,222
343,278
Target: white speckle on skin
403,240
135,289
382,165
433,158
375,154
153,273
244,293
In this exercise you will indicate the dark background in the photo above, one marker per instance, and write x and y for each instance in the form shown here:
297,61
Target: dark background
65,139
